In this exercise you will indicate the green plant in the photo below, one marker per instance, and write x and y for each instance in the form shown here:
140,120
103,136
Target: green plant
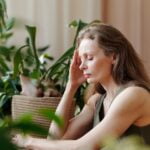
133,142
11,54
2,15
26,59
8,85
59,71
24,125
26,62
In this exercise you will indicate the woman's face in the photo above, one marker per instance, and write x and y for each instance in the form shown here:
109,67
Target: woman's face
96,66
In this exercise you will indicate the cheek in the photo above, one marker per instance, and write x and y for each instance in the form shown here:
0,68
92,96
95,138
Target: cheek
103,66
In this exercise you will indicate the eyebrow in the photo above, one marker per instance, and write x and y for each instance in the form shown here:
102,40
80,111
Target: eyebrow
86,55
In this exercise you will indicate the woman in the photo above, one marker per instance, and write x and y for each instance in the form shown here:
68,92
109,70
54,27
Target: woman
121,105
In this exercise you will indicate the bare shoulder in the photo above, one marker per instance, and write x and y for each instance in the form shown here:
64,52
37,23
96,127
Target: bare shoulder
134,93
137,91
126,109
130,99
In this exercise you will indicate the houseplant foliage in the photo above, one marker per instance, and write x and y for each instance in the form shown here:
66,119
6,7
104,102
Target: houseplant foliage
8,85
57,74
127,143
26,62
9,57
59,71
25,125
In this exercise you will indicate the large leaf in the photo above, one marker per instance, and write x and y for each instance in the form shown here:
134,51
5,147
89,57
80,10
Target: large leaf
5,140
10,23
26,125
18,61
5,51
3,66
80,26
57,65
50,114
2,15
3,99
32,41
35,74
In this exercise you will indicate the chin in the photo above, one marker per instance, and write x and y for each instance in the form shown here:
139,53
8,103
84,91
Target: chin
89,80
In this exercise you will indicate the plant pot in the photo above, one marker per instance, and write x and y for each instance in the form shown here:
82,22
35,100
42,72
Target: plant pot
25,104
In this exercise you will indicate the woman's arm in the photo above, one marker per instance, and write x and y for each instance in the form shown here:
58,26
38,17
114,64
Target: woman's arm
63,110
76,78
78,126
127,108
82,123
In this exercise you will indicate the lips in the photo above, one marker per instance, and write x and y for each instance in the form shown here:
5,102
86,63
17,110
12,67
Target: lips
86,75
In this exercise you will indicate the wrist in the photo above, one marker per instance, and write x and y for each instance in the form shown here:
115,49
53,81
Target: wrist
72,85
30,142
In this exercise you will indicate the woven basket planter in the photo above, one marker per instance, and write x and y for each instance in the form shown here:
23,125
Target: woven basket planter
25,104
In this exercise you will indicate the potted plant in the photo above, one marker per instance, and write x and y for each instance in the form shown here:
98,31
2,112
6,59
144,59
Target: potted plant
9,81
28,68
57,74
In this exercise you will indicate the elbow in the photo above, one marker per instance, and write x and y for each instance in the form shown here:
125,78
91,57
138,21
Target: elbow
55,132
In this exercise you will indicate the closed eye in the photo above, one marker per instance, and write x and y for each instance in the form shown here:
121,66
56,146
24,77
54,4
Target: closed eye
90,57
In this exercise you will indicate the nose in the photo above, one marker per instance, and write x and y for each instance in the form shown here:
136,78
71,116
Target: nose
82,66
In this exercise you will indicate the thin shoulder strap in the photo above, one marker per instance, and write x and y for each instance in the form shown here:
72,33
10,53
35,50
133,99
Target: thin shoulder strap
99,106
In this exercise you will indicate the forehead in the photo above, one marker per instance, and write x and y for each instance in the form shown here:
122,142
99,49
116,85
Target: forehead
88,46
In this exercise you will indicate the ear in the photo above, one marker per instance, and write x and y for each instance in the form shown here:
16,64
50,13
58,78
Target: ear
113,58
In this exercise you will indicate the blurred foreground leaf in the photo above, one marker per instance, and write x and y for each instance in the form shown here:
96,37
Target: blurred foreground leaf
26,125
50,114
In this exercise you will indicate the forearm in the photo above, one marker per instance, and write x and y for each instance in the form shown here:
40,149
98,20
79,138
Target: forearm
43,144
64,108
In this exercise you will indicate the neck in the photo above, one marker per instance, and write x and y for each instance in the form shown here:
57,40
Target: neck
111,87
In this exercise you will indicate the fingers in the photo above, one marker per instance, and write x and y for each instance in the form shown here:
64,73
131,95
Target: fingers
76,59
15,139
21,141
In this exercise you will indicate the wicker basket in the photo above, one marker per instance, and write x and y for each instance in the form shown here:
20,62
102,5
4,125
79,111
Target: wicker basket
25,104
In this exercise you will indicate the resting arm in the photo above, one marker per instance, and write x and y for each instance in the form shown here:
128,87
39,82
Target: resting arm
119,117
83,122
63,110
77,127
72,127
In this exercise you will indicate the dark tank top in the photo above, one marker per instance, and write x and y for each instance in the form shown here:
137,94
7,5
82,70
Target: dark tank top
143,132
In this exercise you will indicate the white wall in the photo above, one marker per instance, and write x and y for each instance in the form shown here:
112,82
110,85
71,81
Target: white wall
51,18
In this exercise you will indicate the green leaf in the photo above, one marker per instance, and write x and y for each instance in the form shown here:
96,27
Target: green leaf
35,74
26,125
50,114
3,16
6,36
73,24
46,56
4,66
5,140
3,99
10,23
58,64
18,61
80,26
32,40
42,49
5,51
